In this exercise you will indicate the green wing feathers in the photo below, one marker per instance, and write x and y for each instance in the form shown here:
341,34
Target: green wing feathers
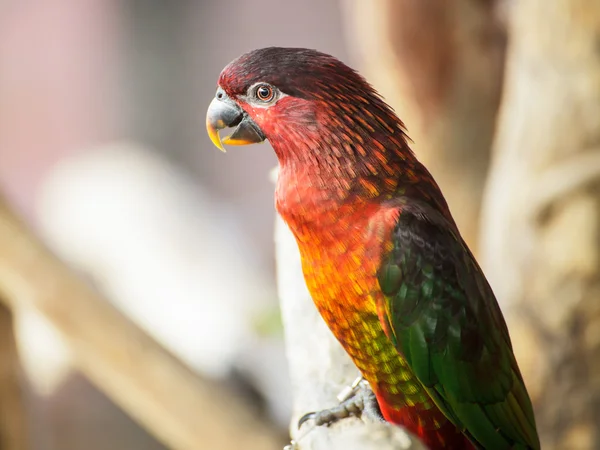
442,315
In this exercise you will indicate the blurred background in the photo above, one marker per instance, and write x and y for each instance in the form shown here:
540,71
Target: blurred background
104,156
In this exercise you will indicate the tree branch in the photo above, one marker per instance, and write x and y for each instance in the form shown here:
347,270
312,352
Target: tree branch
13,411
182,410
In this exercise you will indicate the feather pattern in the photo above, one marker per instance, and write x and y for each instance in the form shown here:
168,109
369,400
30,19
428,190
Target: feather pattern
443,318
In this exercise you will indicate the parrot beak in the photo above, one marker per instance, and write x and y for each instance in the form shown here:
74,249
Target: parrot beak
225,113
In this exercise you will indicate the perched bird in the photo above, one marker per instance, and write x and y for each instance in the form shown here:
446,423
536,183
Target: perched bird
381,254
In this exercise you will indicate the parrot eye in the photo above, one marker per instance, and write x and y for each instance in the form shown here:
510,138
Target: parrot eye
264,92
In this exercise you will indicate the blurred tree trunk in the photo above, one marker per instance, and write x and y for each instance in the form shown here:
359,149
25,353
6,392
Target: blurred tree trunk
541,218
439,64
13,412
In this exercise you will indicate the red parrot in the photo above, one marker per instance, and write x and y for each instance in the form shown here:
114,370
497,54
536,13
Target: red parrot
381,254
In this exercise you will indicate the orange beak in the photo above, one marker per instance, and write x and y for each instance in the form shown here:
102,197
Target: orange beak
225,113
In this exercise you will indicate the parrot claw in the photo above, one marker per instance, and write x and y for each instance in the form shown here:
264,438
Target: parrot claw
358,401
305,418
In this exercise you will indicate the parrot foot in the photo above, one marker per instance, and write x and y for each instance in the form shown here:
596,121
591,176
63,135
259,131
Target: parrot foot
356,400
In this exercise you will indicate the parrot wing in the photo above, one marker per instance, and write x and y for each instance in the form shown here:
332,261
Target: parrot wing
442,316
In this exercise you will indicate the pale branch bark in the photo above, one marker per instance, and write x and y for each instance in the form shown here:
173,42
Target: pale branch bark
540,241
13,410
439,64
319,367
562,179
179,408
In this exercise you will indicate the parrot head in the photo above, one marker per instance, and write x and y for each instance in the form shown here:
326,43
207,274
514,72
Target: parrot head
300,100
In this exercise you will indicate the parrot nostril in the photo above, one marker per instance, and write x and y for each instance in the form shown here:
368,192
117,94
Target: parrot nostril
219,95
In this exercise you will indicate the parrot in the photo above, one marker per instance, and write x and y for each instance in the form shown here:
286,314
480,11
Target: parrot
381,254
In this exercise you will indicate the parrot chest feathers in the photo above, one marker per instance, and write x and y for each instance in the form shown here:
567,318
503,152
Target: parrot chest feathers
341,255
343,286
342,280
